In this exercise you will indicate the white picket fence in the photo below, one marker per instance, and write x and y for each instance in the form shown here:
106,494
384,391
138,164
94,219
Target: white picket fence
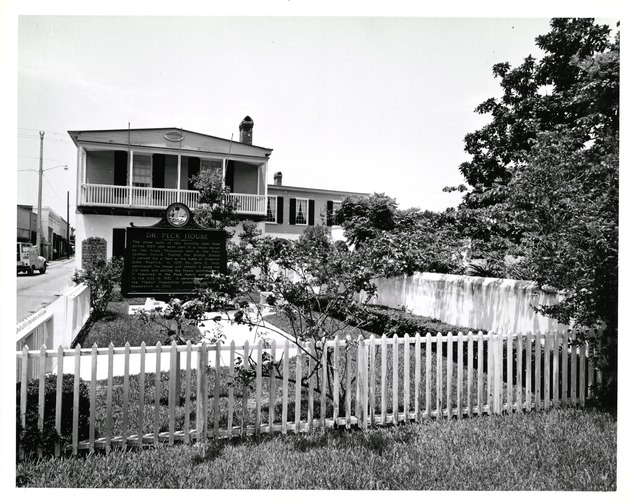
387,381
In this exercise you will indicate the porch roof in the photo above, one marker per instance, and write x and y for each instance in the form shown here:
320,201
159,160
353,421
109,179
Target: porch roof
166,138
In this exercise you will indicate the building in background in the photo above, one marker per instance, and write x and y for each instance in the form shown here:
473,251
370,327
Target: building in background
56,233
290,210
130,176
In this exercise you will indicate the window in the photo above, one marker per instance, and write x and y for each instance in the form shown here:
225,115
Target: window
272,209
215,166
301,211
332,207
142,172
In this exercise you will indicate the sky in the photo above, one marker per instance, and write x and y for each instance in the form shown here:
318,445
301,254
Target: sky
367,104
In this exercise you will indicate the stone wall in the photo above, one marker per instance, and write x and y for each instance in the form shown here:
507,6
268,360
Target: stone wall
500,305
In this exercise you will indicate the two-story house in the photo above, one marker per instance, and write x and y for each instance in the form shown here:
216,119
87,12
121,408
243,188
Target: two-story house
290,209
129,176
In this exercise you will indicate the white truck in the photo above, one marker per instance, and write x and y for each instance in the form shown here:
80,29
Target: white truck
29,260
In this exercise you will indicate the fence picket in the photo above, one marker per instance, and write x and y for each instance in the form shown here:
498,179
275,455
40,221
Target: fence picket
528,367
41,402
285,387
187,394
58,400
546,371
258,388
519,372
143,349
298,390
372,380
573,374
582,374
244,410
490,372
510,370
125,414
383,380
428,391
417,376
460,372
217,387
406,390
565,367
480,373
272,386
200,390
322,397
171,393
449,375
498,376
348,383
336,369
158,392
395,380
469,375
556,370
310,351
230,417
438,380
75,400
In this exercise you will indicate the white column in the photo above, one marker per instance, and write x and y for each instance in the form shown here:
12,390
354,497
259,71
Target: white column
130,181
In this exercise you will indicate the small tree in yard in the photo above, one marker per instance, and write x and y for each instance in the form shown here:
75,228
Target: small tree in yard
101,277
312,284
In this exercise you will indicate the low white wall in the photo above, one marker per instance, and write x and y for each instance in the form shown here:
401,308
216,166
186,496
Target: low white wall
500,305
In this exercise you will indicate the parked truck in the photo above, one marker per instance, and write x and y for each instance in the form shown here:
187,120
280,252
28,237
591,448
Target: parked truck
29,260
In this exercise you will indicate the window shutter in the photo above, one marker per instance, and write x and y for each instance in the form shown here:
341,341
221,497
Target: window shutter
159,161
291,211
120,168
311,212
193,170
279,209
329,213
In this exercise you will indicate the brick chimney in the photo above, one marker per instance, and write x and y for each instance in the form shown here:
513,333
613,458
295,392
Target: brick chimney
277,178
246,127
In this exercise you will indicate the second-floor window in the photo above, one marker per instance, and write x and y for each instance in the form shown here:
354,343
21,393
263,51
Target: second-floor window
142,172
301,211
272,209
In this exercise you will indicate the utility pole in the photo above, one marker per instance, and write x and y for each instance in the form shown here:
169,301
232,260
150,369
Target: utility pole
39,192
68,224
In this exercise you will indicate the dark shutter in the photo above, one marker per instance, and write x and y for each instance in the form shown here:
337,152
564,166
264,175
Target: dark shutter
291,211
193,170
120,168
279,209
159,162
311,212
329,213
229,175
118,242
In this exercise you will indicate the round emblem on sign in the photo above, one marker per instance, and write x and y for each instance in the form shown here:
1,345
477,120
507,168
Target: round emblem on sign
178,214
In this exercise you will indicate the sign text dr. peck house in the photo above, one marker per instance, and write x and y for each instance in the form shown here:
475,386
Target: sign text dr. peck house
163,260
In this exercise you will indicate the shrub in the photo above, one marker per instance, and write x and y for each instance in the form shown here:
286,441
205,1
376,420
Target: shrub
30,438
101,277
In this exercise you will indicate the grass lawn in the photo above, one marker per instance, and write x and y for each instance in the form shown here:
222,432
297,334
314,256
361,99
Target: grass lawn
557,450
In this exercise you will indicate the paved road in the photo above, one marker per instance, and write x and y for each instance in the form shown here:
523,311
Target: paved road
37,290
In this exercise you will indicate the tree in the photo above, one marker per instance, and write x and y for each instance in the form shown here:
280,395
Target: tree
538,97
216,209
311,284
545,177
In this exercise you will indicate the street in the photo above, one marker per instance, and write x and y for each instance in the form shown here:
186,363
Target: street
37,290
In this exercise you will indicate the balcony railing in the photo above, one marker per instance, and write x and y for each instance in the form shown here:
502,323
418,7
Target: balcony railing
160,198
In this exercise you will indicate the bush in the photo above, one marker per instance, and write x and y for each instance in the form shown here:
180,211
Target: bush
102,277
30,438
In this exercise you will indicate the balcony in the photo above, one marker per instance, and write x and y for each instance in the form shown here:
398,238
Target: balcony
124,197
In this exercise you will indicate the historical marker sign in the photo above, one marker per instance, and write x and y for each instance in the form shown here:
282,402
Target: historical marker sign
93,250
165,259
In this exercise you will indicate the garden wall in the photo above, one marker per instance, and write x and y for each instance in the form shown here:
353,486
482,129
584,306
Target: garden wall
500,305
